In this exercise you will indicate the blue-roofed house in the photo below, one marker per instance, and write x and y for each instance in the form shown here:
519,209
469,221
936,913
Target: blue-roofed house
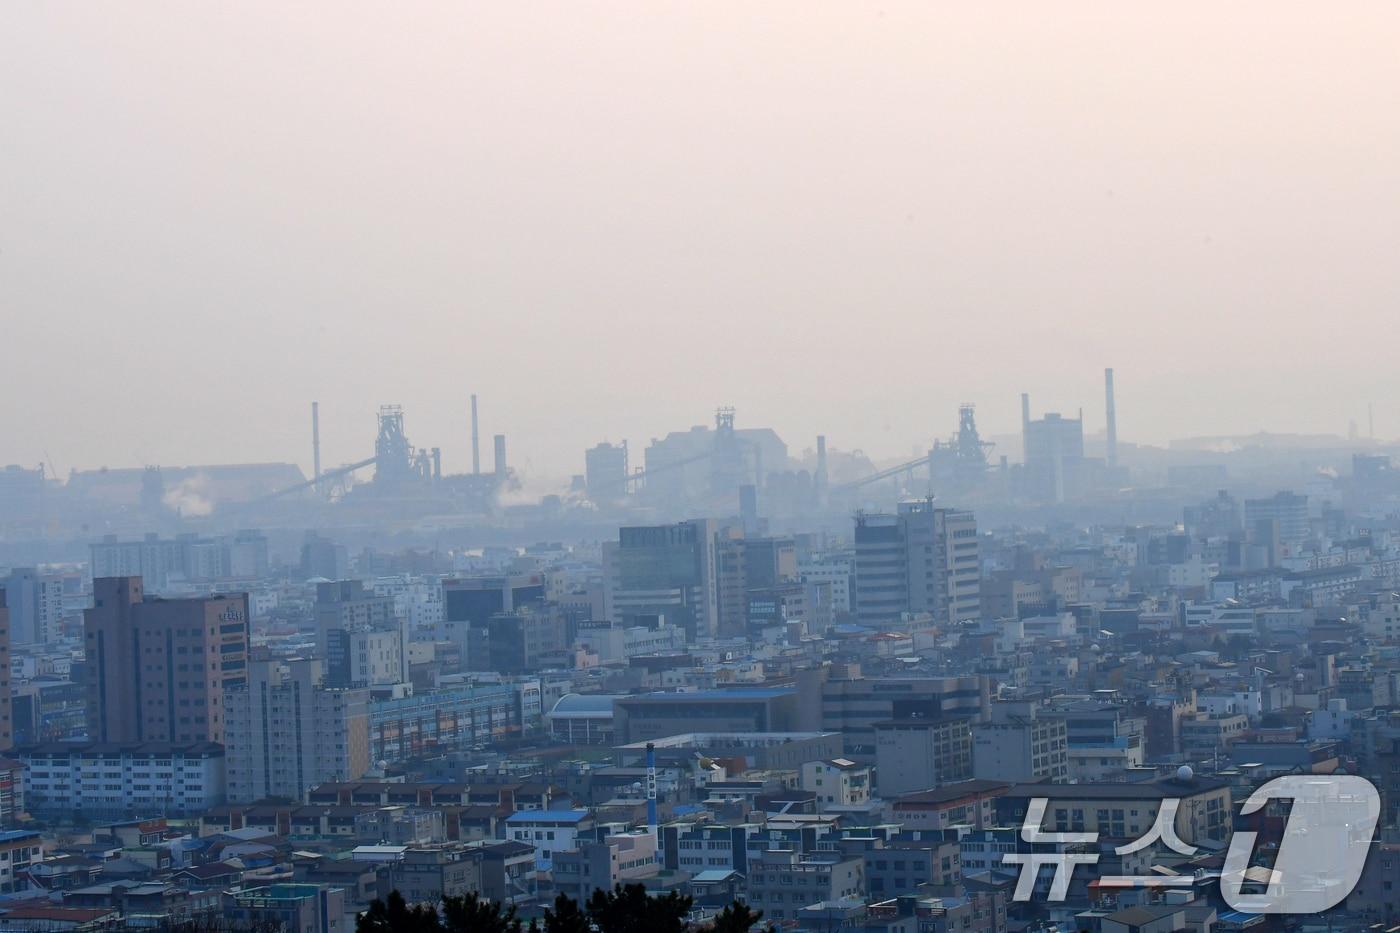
549,831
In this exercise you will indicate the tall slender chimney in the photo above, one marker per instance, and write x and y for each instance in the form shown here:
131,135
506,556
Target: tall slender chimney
316,443
652,824
476,443
1111,415
500,440
1025,426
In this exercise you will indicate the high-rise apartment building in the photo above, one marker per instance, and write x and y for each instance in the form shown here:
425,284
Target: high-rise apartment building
834,569
187,557
285,732
36,605
671,570
323,559
1283,516
158,667
7,724
853,706
1054,456
605,472
470,603
360,636
522,640
922,559
746,565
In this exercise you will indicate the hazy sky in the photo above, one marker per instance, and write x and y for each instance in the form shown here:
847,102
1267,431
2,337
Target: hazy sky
607,219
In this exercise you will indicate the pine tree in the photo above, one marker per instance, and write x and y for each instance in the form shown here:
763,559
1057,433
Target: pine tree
566,917
395,916
738,917
471,913
631,910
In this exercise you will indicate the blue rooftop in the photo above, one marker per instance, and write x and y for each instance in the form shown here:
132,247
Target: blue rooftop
1235,916
547,816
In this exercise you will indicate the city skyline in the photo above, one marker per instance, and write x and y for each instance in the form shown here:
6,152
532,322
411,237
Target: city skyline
700,468
860,217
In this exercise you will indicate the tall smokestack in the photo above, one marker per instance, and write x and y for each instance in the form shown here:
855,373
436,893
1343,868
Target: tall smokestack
476,443
651,788
316,443
1025,425
500,440
1111,415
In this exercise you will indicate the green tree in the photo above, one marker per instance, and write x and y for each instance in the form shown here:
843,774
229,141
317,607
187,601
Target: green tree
566,917
393,915
631,910
738,917
471,913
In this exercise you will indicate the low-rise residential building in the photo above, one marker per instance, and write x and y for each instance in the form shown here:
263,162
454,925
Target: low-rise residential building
783,882
962,803
508,873
904,866
621,858
20,850
1205,736
305,908
837,782
1125,811
549,831
11,791
427,874
100,780
704,846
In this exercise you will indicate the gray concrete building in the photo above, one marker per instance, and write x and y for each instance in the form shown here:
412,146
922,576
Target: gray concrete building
920,560
915,754
286,733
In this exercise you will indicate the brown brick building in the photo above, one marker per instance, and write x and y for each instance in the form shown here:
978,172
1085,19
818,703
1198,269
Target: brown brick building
158,667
